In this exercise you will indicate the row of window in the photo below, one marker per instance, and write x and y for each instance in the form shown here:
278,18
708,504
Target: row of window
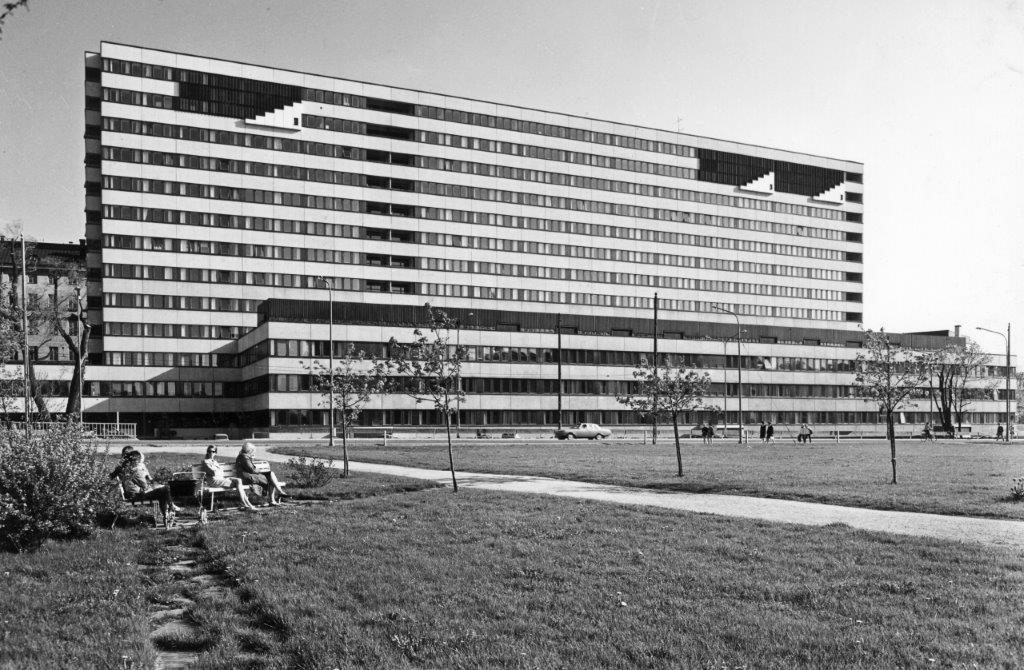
316,148
632,302
492,354
486,194
172,330
352,179
193,162
134,184
186,302
202,275
356,153
137,69
473,143
154,215
206,247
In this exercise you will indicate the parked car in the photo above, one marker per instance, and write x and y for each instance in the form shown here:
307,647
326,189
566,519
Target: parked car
588,431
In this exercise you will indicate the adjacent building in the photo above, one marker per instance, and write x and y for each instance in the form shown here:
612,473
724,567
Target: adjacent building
227,203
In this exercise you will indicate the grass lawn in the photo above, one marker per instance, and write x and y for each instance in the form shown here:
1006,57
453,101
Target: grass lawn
951,477
385,575
85,604
490,580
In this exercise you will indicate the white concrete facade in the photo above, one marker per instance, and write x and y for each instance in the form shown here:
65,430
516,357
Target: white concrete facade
208,196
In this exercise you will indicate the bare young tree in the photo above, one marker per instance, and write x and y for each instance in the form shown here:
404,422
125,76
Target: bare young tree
950,371
432,368
357,377
667,393
887,375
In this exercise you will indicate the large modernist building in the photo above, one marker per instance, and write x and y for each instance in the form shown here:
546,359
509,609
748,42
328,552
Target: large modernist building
219,194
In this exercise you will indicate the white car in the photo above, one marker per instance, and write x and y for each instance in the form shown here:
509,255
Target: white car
589,431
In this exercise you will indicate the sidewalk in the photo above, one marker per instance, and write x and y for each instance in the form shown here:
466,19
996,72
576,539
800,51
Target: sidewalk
994,532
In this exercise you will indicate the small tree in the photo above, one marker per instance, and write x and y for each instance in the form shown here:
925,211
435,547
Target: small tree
669,394
950,370
433,368
356,377
888,374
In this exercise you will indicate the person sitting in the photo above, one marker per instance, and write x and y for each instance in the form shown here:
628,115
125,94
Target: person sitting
215,477
246,469
137,483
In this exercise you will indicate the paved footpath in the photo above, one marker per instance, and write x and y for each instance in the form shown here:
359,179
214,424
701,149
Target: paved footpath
994,532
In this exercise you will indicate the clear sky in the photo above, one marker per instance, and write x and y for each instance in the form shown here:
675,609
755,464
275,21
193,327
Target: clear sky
928,94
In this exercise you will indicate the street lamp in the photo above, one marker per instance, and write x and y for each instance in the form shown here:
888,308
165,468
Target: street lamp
739,371
81,361
330,352
458,378
1009,417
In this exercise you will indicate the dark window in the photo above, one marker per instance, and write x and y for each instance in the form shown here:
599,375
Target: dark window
854,316
854,197
392,106
855,177
854,257
854,237
854,217
390,132
854,297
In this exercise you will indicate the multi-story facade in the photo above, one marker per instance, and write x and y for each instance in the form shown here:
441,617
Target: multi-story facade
219,194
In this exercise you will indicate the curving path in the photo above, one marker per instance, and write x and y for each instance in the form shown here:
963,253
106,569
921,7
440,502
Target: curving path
993,532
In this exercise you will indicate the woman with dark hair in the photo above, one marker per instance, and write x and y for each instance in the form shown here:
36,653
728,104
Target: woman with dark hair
246,469
137,483
215,477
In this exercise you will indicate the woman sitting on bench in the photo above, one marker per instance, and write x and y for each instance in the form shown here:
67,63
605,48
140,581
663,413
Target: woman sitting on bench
246,469
137,483
215,477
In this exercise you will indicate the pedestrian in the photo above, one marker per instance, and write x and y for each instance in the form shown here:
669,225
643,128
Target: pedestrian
704,433
999,432
769,434
763,432
928,435
805,434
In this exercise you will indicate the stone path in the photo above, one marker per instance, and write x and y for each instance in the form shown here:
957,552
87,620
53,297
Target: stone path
994,532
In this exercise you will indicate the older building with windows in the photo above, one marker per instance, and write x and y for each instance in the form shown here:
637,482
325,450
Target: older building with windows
223,199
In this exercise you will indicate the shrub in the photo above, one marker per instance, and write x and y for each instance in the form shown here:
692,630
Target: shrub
52,485
1017,490
311,472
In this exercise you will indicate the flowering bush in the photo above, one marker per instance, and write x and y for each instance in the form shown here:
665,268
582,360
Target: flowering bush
52,485
1017,490
312,472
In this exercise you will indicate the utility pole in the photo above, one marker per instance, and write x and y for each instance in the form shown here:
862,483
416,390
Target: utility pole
330,355
24,332
654,405
558,356
739,373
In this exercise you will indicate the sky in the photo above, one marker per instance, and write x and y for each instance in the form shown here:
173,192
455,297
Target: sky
928,94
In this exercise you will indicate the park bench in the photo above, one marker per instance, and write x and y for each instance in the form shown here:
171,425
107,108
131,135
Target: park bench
510,436
154,507
201,488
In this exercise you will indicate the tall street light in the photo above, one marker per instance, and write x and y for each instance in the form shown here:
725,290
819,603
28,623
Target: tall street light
330,352
1009,417
458,377
739,371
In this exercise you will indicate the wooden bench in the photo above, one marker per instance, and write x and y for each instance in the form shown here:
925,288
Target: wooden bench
198,474
154,506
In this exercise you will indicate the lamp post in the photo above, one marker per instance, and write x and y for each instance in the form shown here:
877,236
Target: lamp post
458,377
330,354
81,362
739,372
1009,417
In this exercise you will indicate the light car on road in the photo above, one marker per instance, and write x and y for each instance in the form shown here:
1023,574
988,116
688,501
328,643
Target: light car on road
584,431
